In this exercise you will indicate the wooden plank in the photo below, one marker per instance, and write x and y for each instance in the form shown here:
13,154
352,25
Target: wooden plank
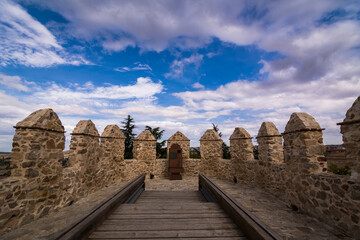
82,227
163,211
167,201
179,238
160,206
167,234
167,216
175,193
165,221
166,226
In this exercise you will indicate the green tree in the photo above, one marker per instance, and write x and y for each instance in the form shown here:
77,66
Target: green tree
160,149
225,148
128,127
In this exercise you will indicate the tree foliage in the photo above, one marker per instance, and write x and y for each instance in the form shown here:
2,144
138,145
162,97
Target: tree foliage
225,148
160,146
128,127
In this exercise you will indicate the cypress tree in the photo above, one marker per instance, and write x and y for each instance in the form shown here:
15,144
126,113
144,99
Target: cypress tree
128,127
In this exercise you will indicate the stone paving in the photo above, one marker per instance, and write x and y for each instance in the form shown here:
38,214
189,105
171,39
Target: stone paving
289,224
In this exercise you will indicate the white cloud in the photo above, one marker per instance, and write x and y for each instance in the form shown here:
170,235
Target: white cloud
14,82
178,65
137,67
198,85
26,41
143,88
157,25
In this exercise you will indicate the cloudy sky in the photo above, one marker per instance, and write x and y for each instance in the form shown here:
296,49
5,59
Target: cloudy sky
179,65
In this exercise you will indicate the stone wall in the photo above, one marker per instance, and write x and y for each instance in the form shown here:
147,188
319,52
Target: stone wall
112,148
211,152
303,144
33,188
270,143
39,184
84,156
145,150
300,180
241,150
350,128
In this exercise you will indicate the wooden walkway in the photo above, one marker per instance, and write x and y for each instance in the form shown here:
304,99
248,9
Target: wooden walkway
168,215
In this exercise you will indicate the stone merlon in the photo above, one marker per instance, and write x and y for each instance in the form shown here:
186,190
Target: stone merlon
178,136
112,131
268,129
301,121
145,135
353,114
240,133
85,127
45,119
210,135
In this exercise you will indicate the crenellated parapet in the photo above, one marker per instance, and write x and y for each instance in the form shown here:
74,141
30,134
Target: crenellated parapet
144,150
33,188
211,152
112,148
113,143
241,146
183,141
84,145
350,128
303,144
84,155
38,146
270,143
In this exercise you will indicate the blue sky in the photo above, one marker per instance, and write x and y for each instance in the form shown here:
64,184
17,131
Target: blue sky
180,65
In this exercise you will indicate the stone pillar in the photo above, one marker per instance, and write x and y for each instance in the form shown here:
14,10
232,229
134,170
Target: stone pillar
241,146
36,159
145,150
211,152
84,156
350,128
303,144
270,143
112,153
183,142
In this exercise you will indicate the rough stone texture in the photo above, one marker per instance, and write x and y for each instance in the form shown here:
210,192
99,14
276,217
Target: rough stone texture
38,186
270,143
112,149
183,142
211,152
85,127
191,167
43,228
145,150
303,144
282,219
45,119
350,129
241,150
241,147
33,188
84,156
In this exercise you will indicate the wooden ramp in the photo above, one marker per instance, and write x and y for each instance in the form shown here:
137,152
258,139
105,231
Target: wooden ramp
168,215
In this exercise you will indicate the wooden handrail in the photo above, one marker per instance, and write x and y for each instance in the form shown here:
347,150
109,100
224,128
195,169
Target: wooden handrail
253,227
82,228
